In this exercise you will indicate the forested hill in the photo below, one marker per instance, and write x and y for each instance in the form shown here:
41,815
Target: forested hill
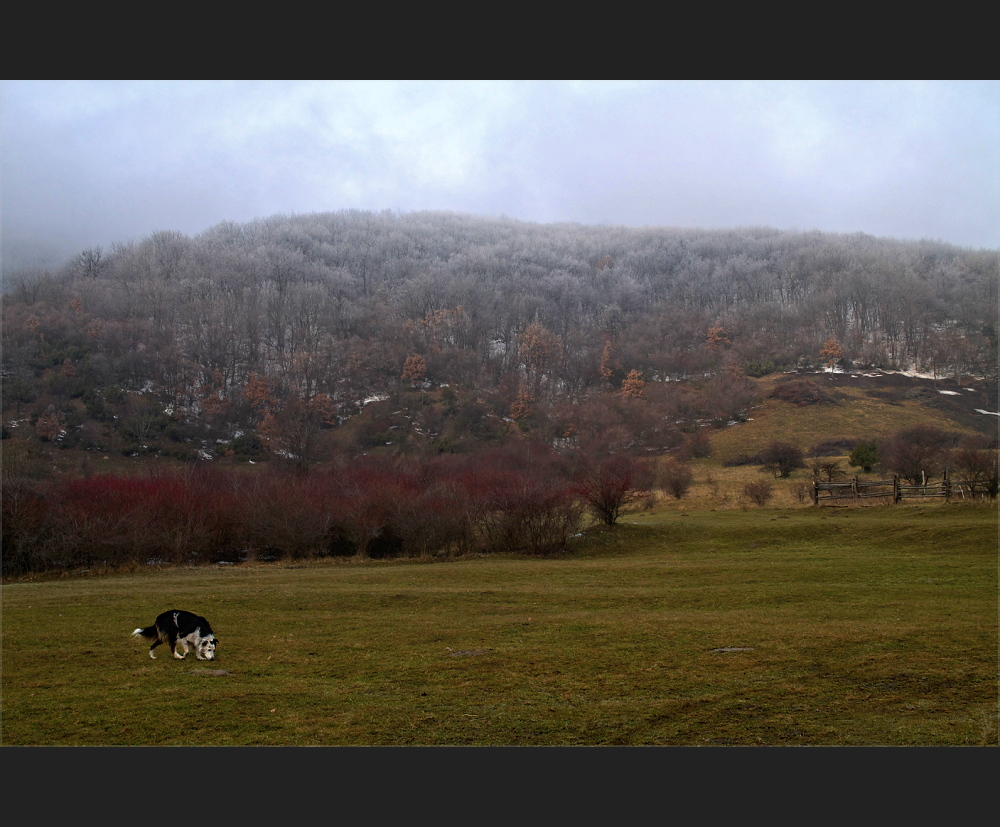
246,328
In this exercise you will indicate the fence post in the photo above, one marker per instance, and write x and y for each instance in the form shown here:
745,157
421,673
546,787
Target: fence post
947,486
854,488
895,488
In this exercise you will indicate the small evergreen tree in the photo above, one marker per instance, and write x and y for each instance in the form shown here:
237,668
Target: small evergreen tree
865,455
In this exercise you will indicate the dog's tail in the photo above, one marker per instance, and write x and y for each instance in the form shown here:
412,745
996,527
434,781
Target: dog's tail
150,632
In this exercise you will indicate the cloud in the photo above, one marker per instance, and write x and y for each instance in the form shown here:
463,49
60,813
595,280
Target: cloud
91,162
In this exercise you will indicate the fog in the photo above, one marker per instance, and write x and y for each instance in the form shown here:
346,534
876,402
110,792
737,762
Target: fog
87,163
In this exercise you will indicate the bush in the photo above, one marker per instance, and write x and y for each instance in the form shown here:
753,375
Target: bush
803,492
781,458
865,455
611,485
697,445
740,460
25,525
675,478
918,453
518,498
833,447
830,469
760,368
759,492
800,392
525,514
978,468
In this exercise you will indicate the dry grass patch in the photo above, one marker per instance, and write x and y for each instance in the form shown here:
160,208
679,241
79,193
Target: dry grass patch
856,416
719,488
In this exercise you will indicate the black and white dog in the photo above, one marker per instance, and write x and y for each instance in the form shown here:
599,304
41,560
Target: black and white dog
180,629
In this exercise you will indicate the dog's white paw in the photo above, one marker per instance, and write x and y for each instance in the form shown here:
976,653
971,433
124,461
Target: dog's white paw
152,656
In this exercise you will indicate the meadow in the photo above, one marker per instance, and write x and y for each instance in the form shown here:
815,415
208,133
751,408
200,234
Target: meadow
685,625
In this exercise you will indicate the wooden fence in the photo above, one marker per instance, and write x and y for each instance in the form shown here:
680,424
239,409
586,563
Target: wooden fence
891,491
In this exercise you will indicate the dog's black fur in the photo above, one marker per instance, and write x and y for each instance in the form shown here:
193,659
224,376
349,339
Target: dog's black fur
179,628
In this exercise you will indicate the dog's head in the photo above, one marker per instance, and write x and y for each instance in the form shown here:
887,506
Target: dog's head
206,647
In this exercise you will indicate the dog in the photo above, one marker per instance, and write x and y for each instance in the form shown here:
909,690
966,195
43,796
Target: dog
181,629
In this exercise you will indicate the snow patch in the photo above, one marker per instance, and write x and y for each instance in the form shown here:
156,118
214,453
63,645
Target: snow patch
988,413
950,393
915,374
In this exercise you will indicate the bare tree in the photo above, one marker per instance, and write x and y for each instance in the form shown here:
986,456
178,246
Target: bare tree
781,458
611,485
758,492
916,453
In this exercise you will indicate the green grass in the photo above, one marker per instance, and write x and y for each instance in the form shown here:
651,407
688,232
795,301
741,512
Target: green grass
859,625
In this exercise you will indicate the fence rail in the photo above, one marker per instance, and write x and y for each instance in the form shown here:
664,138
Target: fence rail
893,490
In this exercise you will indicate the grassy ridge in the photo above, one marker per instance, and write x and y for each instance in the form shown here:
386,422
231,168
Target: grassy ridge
859,626
857,416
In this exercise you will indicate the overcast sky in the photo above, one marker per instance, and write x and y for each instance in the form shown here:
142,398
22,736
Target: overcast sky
88,163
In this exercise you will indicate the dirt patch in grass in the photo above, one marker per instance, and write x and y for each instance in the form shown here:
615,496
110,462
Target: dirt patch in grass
802,392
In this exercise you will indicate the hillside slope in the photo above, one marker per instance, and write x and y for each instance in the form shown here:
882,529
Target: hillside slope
854,406
862,405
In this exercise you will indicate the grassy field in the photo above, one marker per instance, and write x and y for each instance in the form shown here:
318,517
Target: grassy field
774,626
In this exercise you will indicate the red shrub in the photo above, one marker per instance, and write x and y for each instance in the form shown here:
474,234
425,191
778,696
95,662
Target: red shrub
610,485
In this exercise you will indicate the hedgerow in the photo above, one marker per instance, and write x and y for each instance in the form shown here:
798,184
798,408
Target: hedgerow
518,499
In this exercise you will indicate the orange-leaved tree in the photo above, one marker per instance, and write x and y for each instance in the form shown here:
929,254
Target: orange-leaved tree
634,386
414,369
831,353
